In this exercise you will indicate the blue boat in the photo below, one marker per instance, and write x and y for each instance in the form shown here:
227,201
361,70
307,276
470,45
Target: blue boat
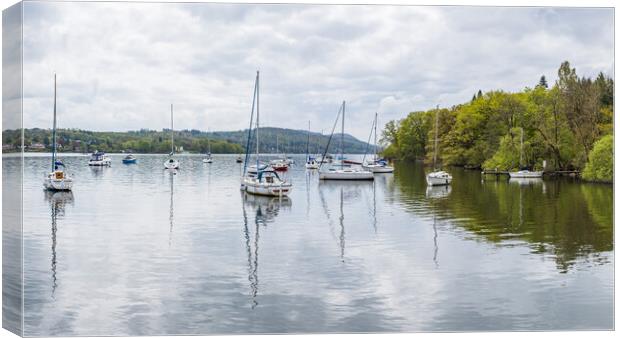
130,159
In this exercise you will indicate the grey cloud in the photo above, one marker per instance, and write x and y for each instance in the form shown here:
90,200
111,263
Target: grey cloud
120,65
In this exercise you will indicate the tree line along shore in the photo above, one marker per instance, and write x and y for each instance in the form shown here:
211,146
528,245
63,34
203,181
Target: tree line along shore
564,127
275,140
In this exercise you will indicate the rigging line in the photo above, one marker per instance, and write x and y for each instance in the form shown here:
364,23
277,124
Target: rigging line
247,146
329,140
368,143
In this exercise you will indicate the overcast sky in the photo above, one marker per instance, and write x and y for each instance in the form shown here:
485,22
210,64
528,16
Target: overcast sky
120,65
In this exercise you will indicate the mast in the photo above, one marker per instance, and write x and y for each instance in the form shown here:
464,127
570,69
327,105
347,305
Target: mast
436,137
308,144
376,137
54,130
521,152
209,141
257,118
342,138
171,130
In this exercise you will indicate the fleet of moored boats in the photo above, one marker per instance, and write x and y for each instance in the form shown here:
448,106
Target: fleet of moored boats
263,178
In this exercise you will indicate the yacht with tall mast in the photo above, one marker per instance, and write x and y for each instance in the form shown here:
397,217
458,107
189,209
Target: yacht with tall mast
377,165
262,179
343,172
437,177
208,159
311,162
57,179
524,173
171,162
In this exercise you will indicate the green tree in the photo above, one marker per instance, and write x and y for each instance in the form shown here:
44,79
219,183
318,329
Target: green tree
600,166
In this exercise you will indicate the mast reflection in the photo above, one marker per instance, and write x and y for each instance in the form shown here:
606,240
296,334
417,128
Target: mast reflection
58,201
264,210
171,173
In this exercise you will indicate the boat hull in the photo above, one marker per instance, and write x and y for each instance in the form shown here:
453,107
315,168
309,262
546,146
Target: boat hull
264,189
433,181
103,163
379,169
171,165
346,175
526,174
132,161
52,184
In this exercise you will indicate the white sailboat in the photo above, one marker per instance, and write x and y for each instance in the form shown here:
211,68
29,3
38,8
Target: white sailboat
437,177
171,162
311,162
263,180
208,159
377,166
344,173
58,179
524,173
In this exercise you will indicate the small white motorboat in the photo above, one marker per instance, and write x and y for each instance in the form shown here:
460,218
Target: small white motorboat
208,159
526,174
438,178
99,159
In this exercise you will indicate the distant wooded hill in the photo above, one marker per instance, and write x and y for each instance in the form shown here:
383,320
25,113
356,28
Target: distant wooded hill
272,140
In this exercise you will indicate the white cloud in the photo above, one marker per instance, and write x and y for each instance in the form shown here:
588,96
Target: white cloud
120,65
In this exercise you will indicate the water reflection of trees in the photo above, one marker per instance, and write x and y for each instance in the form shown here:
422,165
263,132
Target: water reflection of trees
564,219
58,201
258,211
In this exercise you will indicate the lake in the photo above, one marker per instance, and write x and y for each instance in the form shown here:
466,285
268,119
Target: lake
136,250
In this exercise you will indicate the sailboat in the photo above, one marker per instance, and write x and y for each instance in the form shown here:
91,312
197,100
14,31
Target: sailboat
524,173
437,177
377,165
264,180
171,162
281,163
311,162
208,159
344,173
57,180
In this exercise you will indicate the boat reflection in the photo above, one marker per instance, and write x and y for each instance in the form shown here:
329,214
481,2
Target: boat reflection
348,190
58,200
438,191
263,210
171,173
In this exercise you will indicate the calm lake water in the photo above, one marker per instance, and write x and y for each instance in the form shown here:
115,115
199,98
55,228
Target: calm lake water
135,250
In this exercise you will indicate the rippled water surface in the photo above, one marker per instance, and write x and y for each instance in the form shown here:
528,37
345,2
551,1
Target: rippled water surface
136,250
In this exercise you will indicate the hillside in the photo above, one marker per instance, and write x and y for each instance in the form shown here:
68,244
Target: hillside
151,141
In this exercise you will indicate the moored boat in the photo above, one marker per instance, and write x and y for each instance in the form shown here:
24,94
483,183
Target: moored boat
377,165
58,179
437,177
263,180
130,159
99,159
171,162
342,172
